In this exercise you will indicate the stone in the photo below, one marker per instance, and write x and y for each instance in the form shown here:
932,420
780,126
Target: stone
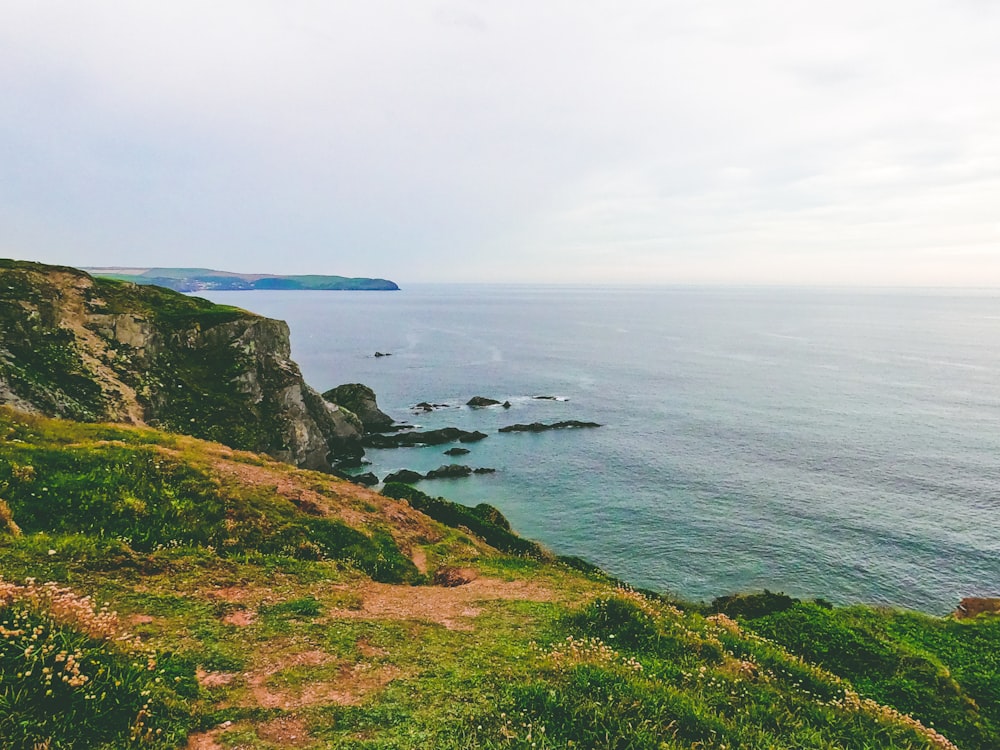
360,399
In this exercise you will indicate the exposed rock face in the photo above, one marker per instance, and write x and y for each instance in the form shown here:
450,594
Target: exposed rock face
96,350
360,399
541,427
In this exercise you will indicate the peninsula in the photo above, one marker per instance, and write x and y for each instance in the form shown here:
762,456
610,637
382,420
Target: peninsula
206,279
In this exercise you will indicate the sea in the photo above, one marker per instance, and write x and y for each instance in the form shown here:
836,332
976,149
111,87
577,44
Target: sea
832,443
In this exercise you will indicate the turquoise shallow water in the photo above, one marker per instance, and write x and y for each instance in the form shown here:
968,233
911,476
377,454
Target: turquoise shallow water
843,444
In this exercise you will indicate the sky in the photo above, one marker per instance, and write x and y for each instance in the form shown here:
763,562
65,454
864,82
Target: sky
854,142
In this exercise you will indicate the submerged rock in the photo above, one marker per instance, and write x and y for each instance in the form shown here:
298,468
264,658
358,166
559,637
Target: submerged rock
541,427
457,451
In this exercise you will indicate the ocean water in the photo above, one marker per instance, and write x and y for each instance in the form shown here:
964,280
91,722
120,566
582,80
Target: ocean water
842,444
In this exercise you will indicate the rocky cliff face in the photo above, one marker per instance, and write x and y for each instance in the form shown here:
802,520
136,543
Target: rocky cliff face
360,399
97,350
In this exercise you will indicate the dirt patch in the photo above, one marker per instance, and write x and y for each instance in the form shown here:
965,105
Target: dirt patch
235,594
419,558
204,740
141,619
451,607
287,731
241,618
348,687
213,679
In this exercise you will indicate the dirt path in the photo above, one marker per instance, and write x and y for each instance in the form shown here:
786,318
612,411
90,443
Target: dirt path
454,608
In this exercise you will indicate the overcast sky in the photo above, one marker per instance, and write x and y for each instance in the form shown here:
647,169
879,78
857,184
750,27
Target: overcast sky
847,142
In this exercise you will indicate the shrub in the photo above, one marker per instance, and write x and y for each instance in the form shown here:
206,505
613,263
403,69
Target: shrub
71,678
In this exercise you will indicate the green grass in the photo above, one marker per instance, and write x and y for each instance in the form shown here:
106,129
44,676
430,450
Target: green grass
943,672
234,584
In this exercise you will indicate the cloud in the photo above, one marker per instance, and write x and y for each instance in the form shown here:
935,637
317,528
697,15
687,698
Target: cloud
656,141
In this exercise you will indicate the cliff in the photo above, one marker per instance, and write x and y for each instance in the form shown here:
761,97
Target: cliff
92,349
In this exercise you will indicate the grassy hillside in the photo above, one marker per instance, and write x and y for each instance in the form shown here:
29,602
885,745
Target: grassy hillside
262,606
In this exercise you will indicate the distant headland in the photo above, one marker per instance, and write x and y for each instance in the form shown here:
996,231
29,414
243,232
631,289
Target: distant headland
202,279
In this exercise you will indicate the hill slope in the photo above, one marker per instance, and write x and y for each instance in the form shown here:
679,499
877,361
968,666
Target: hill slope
94,349
270,607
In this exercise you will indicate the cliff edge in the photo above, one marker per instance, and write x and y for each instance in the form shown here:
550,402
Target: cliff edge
93,350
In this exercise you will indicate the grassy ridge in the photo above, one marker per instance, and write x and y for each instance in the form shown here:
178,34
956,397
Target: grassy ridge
284,608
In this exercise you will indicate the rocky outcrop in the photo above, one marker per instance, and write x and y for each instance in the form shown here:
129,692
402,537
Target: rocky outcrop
98,350
368,479
360,399
429,437
457,451
541,427
973,606
449,471
480,401
404,476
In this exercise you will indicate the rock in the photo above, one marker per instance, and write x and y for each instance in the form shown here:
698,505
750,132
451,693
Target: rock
427,406
973,606
368,479
451,471
404,476
479,401
540,427
360,399
484,470
451,577
544,398
457,451
383,354
472,437
505,404
430,437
